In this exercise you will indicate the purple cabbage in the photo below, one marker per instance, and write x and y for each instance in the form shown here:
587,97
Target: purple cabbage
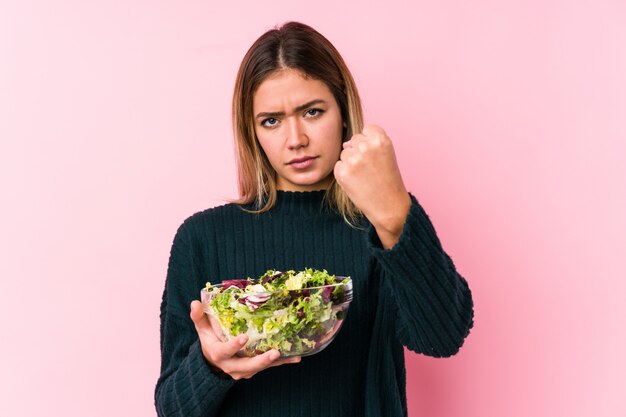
326,292
239,283
256,300
270,278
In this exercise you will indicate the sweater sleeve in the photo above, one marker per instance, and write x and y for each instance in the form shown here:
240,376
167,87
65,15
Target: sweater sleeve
434,304
186,386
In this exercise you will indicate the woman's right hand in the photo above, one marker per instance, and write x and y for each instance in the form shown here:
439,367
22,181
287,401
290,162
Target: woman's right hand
222,354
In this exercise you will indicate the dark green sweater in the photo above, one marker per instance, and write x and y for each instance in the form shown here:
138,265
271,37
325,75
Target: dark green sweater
409,295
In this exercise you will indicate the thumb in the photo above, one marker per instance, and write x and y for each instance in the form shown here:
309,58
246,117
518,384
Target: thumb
339,172
200,320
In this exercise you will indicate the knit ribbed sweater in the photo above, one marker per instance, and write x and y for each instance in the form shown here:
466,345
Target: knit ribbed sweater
408,295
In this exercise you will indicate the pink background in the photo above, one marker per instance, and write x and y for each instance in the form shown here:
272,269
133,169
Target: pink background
509,119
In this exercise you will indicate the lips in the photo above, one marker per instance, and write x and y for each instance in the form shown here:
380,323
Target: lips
299,160
302,163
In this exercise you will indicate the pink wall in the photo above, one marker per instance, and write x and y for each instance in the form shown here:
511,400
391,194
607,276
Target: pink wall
509,121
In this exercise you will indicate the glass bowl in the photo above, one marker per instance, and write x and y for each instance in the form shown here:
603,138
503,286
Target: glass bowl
298,322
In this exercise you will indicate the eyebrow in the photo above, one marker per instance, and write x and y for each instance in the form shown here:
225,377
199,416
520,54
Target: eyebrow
297,109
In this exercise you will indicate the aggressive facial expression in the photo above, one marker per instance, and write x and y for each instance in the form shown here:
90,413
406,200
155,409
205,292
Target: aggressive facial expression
298,124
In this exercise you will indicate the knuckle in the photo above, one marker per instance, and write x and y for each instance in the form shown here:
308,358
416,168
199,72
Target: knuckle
354,160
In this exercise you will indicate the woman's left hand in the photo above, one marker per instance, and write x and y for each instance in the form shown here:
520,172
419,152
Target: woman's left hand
368,172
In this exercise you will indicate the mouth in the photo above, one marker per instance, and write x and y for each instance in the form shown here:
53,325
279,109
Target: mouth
301,163
300,160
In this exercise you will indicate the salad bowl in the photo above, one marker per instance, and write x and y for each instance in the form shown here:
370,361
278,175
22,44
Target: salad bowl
297,313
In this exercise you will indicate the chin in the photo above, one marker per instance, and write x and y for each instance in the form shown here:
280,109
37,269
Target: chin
308,185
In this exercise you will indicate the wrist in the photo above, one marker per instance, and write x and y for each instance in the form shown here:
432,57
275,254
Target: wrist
389,227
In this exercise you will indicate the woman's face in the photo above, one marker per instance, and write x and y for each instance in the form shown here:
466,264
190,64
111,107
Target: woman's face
298,124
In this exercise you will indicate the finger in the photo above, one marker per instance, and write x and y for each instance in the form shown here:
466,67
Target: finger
338,172
250,366
198,317
217,328
354,140
286,361
341,171
351,156
347,153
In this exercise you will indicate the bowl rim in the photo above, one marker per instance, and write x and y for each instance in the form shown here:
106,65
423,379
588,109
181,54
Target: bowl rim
282,291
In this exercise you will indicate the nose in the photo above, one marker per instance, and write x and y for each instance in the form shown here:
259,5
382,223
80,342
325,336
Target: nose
296,134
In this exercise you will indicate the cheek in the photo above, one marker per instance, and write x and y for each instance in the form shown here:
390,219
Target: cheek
269,148
332,136
261,140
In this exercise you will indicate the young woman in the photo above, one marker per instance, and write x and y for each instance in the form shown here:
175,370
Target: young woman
319,190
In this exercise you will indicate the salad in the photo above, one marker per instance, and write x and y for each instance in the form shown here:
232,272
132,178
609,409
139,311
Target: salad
297,313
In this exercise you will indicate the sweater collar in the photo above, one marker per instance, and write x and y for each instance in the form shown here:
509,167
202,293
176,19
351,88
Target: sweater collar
303,202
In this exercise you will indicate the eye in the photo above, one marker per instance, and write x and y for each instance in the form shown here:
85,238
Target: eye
314,112
271,122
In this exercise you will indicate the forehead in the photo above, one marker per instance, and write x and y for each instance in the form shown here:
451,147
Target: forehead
288,88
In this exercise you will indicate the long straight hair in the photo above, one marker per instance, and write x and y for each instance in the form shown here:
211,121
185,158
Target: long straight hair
296,46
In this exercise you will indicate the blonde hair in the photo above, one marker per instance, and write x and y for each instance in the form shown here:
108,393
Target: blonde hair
296,46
